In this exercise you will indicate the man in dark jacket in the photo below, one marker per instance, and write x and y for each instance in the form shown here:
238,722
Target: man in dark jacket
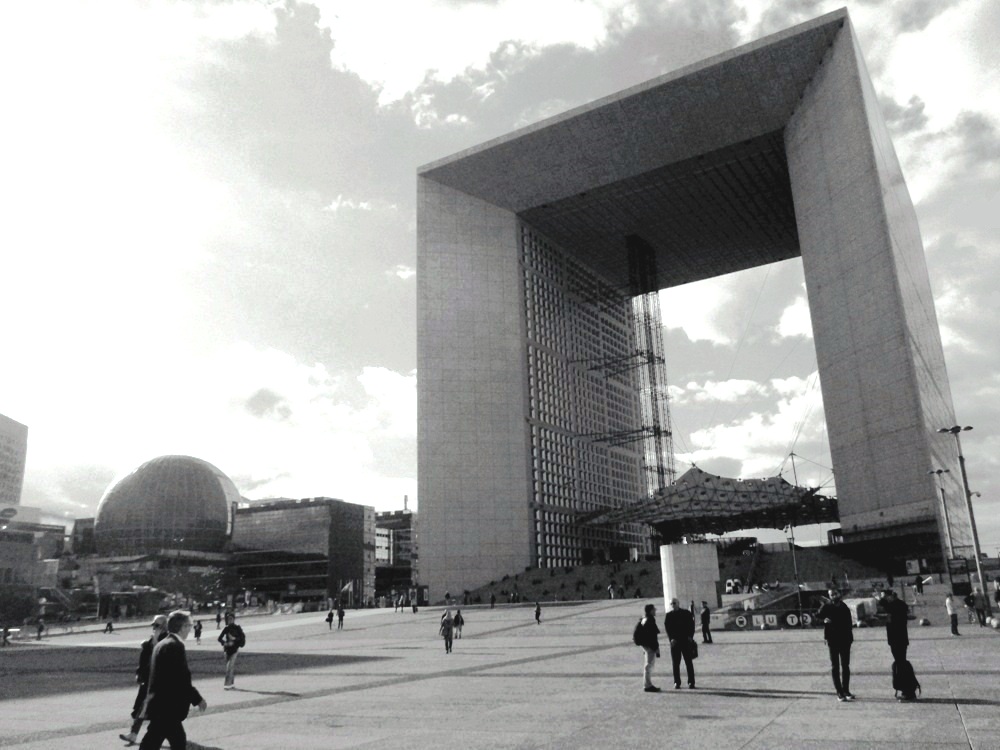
895,625
838,630
232,639
679,624
647,636
170,694
159,626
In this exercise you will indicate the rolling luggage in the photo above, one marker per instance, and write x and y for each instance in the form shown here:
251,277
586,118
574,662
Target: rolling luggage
904,681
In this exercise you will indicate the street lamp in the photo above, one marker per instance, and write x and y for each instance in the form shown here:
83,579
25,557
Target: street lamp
944,503
968,504
795,568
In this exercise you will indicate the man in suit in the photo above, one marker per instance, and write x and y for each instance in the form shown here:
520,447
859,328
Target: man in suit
838,630
159,626
679,626
170,694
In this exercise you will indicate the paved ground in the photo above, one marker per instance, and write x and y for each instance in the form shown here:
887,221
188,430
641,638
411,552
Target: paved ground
572,682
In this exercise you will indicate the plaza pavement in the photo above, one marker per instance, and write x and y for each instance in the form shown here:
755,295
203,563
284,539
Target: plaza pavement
572,682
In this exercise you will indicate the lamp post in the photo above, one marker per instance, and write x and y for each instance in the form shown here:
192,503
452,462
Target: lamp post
944,504
968,504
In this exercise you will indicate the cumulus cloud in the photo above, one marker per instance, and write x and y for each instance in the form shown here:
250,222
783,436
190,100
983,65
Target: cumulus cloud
795,320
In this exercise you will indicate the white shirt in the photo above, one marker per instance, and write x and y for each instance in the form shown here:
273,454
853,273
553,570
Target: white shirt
949,602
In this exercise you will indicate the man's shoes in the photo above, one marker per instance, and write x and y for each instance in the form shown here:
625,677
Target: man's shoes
651,689
849,696
677,686
841,697
129,739
906,698
691,686
228,687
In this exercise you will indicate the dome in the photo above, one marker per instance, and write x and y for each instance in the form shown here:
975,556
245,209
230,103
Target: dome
174,502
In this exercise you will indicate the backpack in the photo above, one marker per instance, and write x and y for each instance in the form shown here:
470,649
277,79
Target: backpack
904,679
637,634
970,601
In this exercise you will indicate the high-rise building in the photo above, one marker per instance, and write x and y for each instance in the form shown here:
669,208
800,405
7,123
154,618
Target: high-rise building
13,455
528,244
397,567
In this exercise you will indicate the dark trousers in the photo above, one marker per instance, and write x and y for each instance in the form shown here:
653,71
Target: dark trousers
164,729
954,624
981,614
682,649
898,651
140,701
706,634
840,666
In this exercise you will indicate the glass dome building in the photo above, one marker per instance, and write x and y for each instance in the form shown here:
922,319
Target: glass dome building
170,502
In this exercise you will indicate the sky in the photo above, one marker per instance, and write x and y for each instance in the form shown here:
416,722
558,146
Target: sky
208,228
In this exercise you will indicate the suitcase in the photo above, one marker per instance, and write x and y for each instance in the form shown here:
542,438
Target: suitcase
904,680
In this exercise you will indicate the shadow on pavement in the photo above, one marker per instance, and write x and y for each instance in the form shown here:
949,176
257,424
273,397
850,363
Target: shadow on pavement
34,672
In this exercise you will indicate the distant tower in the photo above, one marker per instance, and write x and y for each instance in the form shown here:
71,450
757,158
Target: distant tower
13,454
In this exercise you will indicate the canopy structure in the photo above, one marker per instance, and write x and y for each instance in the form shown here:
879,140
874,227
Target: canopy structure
703,503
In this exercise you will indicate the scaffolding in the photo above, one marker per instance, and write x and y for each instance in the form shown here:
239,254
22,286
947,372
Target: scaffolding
648,362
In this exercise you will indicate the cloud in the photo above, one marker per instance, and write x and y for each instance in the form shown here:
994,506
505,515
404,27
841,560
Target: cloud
728,391
904,119
403,272
795,320
267,403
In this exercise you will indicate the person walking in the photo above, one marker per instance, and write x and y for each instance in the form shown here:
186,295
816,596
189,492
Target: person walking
159,625
838,631
952,607
109,626
232,639
646,635
329,619
197,631
979,605
170,694
678,624
447,630
39,629
6,636
218,619
706,623
459,622
340,617
538,613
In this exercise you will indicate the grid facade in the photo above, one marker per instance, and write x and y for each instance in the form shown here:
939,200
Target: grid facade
13,454
572,321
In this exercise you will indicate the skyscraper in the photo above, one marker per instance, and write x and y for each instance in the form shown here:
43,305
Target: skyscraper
13,455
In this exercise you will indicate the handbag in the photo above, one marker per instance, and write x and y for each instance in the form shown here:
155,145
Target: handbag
694,649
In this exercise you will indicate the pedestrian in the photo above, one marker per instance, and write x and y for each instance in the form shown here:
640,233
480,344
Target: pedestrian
459,622
170,694
329,619
678,624
918,585
706,623
838,631
979,605
493,600
39,629
159,625
218,619
952,607
396,601
611,590
646,635
538,613
340,617
109,626
895,625
232,639
6,636
197,632
447,630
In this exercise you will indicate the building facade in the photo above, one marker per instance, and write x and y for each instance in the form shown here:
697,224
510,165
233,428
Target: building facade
308,550
771,151
13,455
397,566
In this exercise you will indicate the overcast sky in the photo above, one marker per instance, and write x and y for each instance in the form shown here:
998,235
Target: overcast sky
208,229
